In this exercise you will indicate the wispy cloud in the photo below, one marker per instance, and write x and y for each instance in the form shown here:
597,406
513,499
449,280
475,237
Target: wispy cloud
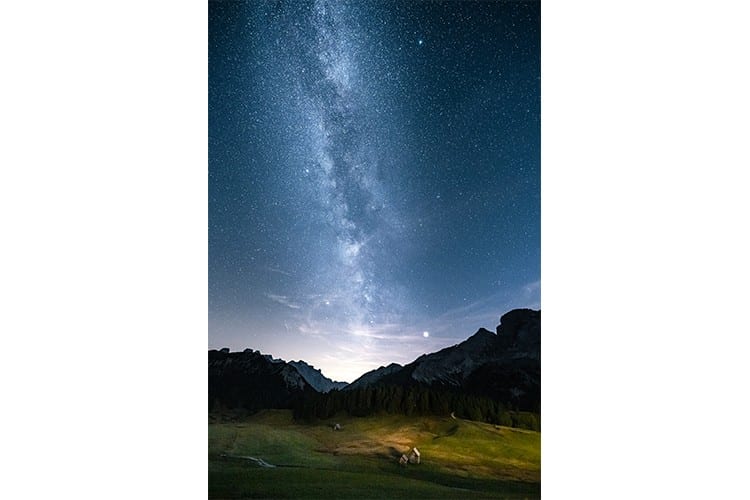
280,271
458,322
284,300
310,329
381,331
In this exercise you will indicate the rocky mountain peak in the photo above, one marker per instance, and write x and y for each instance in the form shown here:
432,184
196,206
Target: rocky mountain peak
482,336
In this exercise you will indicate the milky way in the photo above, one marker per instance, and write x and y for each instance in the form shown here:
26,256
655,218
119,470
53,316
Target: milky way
373,175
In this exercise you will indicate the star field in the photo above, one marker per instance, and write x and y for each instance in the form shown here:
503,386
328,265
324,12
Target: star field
373,176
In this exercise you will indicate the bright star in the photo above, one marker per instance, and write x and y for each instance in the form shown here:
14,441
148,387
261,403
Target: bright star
420,42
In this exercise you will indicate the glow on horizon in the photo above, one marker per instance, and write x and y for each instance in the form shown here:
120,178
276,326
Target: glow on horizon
345,353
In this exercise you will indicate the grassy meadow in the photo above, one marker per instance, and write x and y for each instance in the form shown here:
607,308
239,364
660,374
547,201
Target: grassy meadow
460,458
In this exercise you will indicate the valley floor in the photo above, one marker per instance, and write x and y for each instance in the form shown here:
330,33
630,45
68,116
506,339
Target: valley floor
268,455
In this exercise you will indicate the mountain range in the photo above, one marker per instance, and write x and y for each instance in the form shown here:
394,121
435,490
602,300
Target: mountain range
503,365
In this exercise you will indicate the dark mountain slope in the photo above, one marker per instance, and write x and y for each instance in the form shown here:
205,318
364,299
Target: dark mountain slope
315,377
372,377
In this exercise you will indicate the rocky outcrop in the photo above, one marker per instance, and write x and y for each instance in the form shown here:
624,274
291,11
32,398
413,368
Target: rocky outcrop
521,330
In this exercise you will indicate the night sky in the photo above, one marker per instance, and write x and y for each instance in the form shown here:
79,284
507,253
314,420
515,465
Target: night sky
374,176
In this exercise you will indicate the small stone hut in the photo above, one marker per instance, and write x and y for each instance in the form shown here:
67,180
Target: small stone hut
414,456
403,460
336,427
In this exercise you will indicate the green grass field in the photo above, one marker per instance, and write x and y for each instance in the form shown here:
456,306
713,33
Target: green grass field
460,458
